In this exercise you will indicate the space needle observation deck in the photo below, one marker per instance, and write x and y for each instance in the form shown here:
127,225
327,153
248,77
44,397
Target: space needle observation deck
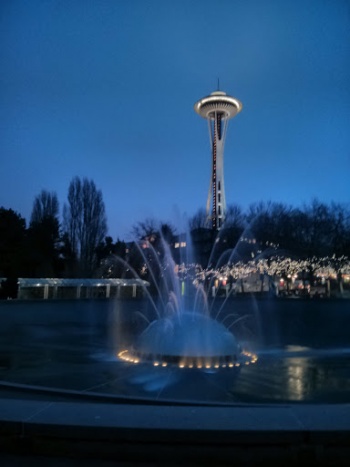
217,109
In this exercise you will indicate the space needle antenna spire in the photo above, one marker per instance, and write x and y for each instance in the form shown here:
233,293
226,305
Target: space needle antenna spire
217,109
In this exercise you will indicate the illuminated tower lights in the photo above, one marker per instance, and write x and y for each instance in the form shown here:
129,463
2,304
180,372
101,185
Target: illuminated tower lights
217,108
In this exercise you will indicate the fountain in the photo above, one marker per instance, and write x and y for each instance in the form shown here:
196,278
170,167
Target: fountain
188,339
165,392
183,334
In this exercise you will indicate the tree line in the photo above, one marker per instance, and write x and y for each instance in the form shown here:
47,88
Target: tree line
48,248
315,229
312,236
78,246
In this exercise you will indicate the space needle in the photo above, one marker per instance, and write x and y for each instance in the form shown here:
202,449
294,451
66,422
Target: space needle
217,108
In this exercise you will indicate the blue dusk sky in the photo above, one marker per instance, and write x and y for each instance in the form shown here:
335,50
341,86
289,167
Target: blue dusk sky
105,89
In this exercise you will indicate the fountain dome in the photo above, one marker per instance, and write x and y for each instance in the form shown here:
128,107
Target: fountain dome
187,339
188,333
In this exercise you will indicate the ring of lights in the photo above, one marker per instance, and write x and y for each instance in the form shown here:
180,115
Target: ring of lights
187,340
212,362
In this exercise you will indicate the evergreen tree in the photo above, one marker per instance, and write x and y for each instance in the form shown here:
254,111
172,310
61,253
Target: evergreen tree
43,236
12,251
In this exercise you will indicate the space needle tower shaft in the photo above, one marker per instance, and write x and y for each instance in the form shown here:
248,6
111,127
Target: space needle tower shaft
217,109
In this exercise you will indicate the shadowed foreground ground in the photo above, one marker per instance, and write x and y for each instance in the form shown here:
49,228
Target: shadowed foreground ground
105,411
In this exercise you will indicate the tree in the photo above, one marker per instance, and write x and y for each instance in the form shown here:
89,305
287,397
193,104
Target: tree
69,258
199,220
277,225
320,225
233,227
340,241
235,217
43,236
45,206
168,233
111,257
145,230
84,223
12,250
72,216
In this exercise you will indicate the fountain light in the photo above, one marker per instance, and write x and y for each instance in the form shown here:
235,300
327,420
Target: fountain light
230,361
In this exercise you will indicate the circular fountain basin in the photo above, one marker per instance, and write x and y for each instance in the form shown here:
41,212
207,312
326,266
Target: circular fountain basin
188,339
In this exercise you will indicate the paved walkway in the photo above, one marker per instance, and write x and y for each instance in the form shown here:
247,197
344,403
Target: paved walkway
203,435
